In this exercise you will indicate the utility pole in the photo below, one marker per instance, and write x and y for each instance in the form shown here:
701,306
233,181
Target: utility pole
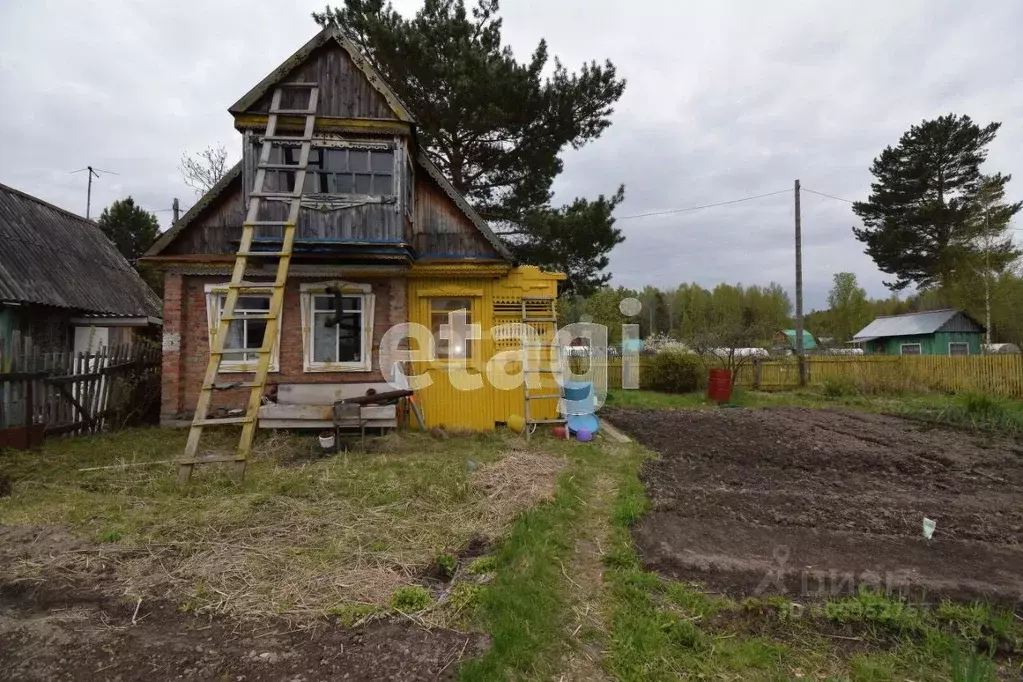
176,207
987,278
799,293
88,196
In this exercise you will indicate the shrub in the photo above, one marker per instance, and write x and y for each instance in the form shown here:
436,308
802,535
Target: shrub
411,598
837,387
675,372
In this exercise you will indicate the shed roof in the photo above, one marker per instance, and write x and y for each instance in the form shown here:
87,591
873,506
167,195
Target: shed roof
910,324
49,256
809,343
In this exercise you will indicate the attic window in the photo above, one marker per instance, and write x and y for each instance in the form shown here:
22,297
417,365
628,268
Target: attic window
369,172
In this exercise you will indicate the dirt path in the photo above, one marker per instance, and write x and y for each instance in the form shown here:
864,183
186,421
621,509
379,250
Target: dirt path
588,623
813,502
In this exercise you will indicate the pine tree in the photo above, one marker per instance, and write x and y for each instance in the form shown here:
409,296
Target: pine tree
496,126
919,220
131,228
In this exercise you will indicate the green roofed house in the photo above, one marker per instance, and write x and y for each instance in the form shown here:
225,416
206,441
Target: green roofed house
932,332
786,338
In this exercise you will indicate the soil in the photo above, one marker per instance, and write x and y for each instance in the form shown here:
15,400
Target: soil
71,627
817,502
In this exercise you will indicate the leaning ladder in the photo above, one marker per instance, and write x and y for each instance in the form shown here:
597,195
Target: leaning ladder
238,286
539,348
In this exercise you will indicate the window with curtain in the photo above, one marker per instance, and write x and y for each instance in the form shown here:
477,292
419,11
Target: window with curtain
242,334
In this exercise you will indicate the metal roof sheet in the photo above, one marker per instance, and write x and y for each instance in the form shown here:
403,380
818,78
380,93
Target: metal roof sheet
906,325
49,256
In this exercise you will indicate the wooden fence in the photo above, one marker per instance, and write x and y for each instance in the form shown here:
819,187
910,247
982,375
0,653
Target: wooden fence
75,393
1000,375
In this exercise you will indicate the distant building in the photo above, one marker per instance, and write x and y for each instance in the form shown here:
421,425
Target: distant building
933,332
63,284
785,342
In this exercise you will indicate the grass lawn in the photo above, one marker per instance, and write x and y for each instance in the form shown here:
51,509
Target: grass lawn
562,592
302,536
969,410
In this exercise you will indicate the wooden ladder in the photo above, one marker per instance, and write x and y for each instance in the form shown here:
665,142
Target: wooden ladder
238,287
556,370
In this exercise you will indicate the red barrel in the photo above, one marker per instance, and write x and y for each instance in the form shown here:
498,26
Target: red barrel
719,387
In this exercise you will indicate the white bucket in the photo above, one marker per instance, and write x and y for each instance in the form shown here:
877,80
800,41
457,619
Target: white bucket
327,440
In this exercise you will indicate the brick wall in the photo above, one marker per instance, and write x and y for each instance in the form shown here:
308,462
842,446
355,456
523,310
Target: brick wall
186,341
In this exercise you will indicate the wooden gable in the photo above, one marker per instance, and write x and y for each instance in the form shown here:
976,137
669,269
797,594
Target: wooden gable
350,88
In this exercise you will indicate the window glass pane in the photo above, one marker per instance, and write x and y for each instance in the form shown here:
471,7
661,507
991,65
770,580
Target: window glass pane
382,184
344,184
382,161
323,303
315,157
312,182
959,349
337,159
253,304
324,339
358,160
911,349
456,345
351,303
349,333
255,331
362,184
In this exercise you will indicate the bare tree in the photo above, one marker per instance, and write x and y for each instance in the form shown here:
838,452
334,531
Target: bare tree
731,343
203,170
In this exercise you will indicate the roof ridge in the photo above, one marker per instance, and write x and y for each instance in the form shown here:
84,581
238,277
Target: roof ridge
47,204
919,312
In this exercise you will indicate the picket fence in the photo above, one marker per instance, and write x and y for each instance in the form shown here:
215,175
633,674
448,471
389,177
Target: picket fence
1000,375
75,393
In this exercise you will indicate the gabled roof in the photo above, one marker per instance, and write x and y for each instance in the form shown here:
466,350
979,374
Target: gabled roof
288,65
376,80
809,343
49,256
911,324
431,169
170,235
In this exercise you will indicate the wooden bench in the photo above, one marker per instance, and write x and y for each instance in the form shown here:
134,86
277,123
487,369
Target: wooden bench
311,406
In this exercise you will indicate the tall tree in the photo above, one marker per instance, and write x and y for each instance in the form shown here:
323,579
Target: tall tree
848,304
131,228
919,220
202,170
496,126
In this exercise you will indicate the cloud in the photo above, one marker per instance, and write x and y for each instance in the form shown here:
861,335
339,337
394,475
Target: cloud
725,100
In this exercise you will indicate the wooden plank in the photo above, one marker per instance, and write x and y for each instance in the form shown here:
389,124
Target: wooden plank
325,394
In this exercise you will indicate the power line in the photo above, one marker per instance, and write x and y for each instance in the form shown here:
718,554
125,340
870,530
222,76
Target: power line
829,196
697,208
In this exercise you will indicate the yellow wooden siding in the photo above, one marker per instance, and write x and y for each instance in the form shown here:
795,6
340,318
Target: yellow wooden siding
493,302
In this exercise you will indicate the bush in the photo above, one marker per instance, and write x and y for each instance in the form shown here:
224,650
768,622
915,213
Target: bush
837,387
676,372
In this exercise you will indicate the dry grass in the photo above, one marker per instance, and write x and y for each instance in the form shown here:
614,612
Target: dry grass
302,536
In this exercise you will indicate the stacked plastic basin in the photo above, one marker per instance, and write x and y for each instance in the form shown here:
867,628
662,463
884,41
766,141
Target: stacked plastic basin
579,405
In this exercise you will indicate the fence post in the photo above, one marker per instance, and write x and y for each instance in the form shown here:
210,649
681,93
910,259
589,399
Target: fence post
758,374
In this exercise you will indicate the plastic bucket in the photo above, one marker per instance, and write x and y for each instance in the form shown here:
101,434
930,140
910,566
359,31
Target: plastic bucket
578,390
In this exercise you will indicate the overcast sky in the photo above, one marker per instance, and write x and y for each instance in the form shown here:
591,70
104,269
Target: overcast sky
724,100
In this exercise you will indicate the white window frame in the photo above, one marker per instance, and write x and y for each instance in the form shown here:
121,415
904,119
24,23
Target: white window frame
958,343
919,347
213,311
363,291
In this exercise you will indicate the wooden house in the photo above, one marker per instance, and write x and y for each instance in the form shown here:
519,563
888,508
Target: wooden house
379,223
63,284
931,332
